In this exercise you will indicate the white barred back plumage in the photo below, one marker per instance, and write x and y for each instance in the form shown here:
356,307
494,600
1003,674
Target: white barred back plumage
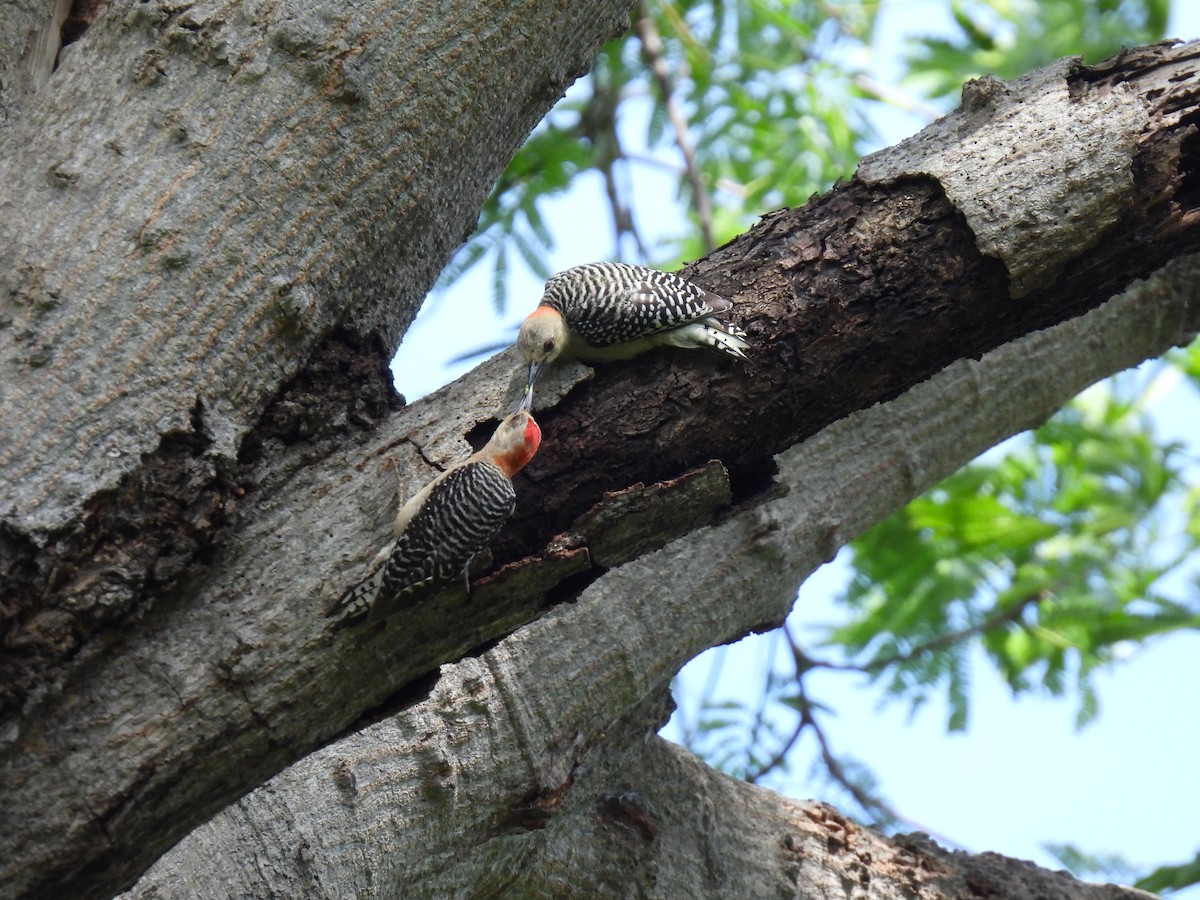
601,311
445,525
440,542
614,303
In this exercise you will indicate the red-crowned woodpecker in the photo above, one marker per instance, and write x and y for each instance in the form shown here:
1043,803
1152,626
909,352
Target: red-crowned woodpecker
603,311
441,528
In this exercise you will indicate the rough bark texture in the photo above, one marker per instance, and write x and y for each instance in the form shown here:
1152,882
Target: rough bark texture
540,754
881,283
209,208
195,203
165,650
30,36
224,181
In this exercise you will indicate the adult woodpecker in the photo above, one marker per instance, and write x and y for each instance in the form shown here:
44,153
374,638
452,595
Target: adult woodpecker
603,311
445,524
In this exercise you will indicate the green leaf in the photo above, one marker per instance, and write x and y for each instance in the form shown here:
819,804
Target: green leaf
1172,878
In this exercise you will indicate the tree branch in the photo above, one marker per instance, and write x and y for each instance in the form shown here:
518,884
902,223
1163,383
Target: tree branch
656,62
231,675
532,711
878,663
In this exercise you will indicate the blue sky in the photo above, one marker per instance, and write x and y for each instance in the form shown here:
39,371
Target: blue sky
1022,774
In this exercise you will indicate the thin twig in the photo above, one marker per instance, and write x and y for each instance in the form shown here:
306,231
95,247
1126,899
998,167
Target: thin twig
781,754
653,54
598,123
724,184
869,803
941,642
622,216
895,97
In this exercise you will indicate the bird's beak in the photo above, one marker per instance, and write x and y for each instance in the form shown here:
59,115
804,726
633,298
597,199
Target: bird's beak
535,366
527,397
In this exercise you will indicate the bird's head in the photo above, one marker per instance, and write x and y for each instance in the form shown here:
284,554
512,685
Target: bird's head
542,338
516,440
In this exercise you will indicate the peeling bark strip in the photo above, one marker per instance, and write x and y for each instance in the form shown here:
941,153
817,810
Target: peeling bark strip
627,524
864,293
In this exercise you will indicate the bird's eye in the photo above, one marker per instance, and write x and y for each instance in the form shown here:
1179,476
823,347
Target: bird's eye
548,346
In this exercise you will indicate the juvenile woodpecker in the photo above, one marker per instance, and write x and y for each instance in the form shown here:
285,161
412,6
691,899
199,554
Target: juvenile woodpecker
445,524
603,311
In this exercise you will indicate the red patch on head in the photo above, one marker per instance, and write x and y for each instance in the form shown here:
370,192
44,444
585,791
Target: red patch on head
515,459
533,437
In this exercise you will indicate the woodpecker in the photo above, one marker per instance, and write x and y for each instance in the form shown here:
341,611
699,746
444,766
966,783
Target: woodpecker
440,529
603,311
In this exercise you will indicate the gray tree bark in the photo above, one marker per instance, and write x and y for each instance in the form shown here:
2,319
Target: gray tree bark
205,204
541,755
222,219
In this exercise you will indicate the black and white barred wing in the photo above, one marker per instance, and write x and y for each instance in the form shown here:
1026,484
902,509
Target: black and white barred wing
463,513
613,303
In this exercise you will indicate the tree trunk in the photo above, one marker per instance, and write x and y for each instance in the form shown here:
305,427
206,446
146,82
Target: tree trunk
196,323
210,209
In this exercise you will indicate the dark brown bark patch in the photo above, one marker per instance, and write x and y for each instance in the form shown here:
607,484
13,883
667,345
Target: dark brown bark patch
157,533
848,302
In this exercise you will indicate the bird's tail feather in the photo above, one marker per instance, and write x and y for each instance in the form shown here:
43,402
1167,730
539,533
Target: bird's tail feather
357,602
728,339
710,333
